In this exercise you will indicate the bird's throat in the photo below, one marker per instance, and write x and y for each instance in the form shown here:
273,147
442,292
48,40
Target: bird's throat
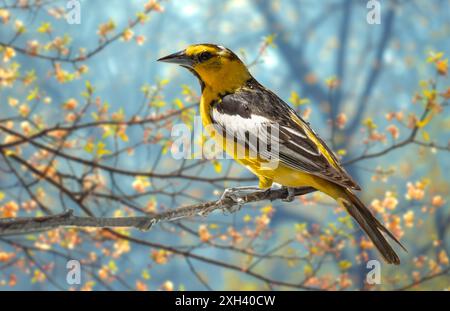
225,79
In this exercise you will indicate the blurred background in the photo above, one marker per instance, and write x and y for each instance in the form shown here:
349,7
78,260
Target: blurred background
363,87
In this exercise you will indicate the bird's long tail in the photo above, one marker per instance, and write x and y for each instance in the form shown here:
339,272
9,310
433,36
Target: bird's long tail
371,225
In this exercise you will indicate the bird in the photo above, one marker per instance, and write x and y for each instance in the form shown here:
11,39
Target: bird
235,106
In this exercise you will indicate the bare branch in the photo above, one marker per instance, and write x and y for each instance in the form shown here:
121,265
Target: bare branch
425,279
411,139
25,225
79,58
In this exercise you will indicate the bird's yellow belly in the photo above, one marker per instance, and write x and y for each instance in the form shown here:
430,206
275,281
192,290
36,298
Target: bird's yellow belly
271,172
289,177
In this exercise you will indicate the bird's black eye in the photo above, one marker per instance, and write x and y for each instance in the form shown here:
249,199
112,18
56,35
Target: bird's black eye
204,56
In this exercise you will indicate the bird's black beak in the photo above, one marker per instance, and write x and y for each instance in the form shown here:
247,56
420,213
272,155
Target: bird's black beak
179,58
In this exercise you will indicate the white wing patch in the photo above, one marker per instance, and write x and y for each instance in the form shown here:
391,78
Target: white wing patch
238,126
258,128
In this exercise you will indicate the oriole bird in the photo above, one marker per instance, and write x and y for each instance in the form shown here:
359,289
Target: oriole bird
232,100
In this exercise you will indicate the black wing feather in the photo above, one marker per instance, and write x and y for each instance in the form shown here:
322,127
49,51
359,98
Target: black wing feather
296,149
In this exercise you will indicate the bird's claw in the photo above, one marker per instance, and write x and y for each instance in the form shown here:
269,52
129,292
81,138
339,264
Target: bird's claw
291,194
231,200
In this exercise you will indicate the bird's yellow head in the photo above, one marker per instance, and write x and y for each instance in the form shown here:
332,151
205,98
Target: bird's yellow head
217,68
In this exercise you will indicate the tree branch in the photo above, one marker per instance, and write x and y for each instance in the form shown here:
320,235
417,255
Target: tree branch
411,139
424,279
25,225
79,58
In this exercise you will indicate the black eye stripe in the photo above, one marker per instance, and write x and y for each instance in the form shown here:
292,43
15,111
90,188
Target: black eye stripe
204,56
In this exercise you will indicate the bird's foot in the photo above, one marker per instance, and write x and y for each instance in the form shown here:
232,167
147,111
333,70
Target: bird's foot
232,199
291,194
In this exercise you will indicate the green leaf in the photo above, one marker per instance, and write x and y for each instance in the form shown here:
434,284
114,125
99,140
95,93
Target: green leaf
89,88
89,147
345,265
296,100
101,150
270,39
45,27
146,275
347,221
112,266
308,270
33,94
300,227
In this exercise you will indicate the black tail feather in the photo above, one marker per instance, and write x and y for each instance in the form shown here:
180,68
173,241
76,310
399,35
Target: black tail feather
372,227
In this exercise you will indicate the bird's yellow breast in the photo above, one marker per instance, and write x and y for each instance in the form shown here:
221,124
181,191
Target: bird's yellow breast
205,107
